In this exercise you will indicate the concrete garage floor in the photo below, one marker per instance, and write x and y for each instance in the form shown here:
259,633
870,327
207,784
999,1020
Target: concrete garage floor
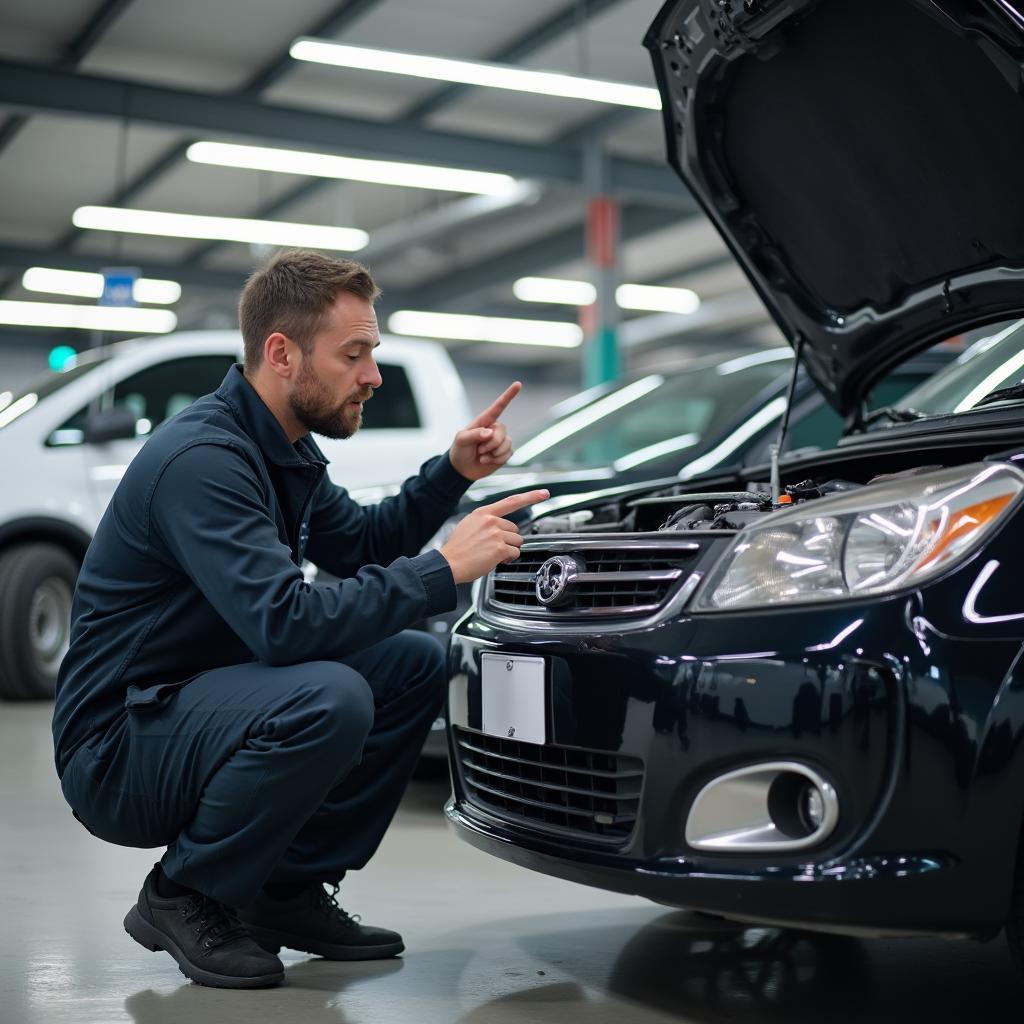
487,942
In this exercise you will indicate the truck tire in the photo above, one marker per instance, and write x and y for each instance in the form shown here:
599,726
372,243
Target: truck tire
36,585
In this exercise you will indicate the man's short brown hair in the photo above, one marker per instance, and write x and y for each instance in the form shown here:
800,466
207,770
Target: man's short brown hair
292,294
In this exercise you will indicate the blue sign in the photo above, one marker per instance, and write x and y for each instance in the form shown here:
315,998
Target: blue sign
119,286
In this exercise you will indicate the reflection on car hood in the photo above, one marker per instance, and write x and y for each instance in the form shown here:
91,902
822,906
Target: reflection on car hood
862,160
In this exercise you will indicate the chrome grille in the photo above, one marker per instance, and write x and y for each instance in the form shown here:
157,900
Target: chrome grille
585,792
617,578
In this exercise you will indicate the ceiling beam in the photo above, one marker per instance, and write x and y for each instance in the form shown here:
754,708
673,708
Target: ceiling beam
337,19
51,90
523,46
87,37
18,258
567,20
334,22
594,129
459,285
74,53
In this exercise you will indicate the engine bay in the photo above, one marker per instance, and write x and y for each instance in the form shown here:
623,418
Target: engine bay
679,510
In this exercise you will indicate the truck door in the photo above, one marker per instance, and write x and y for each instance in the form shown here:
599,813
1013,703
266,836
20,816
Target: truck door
153,394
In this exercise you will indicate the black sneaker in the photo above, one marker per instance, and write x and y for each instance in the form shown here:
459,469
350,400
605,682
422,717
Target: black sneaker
210,944
313,922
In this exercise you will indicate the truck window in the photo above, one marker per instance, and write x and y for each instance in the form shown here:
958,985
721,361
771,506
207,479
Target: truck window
155,394
393,406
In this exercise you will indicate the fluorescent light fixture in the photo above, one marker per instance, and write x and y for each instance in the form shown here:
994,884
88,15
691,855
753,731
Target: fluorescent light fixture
553,289
504,330
90,286
657,299
129,319
19,408
223,229
575,422
467,72
628,296
326,165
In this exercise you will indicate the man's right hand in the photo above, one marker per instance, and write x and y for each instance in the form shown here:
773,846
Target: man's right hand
483,539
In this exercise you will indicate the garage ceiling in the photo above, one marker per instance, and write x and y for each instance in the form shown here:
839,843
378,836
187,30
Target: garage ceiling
98,105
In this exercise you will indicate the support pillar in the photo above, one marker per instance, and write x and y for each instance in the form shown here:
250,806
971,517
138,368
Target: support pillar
601,360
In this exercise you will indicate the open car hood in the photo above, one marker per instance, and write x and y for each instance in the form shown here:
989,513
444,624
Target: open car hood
864,161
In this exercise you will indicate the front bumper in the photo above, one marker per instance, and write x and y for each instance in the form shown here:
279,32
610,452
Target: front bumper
894,717
858,896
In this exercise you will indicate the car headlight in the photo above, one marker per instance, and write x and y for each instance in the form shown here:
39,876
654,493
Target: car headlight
874,540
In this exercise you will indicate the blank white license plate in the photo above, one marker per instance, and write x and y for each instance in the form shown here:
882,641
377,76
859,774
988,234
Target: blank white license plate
512,697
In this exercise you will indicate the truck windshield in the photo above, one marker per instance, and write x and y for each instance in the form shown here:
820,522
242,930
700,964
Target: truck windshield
16,403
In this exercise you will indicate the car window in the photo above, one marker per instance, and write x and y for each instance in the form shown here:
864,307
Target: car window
814,424
154,394
393,406
821,427
654,416
993,361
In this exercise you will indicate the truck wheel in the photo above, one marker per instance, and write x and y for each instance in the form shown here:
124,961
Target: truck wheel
36,584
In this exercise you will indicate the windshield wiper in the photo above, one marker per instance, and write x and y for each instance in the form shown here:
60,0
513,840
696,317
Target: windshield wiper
1002,395
893,415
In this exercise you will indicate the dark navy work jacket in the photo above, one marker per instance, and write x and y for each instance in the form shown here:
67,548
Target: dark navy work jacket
195,564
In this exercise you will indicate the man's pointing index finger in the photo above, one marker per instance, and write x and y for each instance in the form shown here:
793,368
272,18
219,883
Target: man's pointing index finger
491,415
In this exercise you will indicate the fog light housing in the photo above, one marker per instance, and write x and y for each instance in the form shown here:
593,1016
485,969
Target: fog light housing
812,807
773,806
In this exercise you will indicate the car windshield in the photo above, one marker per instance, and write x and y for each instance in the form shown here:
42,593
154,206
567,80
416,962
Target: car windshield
15,403
995,361
656,415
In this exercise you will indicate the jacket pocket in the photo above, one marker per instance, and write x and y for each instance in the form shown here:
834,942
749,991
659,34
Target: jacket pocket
151,698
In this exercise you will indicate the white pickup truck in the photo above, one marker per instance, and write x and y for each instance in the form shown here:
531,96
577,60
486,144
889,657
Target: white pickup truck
66,439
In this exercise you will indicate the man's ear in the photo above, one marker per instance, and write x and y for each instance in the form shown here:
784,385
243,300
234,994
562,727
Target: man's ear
280,354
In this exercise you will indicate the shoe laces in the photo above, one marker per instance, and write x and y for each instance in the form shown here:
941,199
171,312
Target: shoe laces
212,922
328,903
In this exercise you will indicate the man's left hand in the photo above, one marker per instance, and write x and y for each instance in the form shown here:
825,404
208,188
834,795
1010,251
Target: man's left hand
484,445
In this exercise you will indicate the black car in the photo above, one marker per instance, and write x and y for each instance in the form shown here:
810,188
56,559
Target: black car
795,694
714,412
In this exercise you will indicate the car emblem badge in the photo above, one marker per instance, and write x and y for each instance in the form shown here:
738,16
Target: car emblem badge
554,581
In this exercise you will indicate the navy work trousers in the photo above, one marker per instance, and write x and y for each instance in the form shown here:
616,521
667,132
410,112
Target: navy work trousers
253,773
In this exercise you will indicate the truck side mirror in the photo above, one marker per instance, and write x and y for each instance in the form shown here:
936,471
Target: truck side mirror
114,424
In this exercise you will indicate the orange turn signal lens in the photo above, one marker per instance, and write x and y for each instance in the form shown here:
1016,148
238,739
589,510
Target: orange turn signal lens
961,525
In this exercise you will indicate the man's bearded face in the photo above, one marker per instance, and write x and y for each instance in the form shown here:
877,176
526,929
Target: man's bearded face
320,410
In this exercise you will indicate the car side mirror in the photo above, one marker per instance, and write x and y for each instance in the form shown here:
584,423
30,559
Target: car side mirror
114,424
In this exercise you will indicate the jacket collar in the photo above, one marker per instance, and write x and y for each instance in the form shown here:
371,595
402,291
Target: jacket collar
261,424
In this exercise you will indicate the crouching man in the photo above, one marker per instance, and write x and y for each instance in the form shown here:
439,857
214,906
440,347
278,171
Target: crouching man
260,727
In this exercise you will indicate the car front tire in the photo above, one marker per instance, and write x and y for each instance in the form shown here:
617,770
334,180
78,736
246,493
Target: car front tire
36,585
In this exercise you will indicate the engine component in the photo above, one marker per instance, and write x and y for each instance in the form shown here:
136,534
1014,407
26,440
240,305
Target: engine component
570,522
689,517
807,489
